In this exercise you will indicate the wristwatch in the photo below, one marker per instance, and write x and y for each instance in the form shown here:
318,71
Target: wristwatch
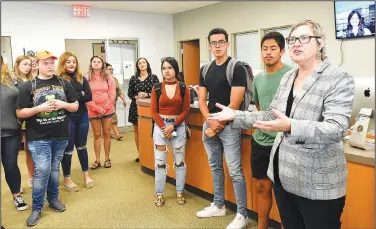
175,127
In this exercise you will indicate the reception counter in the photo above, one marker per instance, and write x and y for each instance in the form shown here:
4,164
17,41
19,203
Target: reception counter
359,208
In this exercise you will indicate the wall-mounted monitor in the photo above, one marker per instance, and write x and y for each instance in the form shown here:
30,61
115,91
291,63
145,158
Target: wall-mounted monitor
354,19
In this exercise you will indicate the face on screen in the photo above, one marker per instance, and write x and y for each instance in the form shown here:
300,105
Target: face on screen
354,20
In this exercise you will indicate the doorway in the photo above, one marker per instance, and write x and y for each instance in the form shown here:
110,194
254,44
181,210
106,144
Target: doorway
6,51
122,54
190,56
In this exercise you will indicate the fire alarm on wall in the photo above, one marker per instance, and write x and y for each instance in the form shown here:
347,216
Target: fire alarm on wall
81,11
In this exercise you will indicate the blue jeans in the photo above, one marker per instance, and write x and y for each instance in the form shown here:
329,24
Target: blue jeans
9,154
46,155
79,128
160,158
227,141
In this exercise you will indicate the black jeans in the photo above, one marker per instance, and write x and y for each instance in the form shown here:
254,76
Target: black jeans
301,213
9,154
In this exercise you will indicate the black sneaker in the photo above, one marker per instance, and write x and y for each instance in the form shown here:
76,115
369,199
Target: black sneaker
137,160
20,203
33,218
57,206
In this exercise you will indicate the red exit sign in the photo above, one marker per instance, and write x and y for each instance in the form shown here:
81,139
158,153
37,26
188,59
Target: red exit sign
81,11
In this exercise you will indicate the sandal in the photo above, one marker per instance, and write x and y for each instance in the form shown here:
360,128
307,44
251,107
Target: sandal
71,186
107,164
89,183
159,201
112,136
95,165
180,199
119,138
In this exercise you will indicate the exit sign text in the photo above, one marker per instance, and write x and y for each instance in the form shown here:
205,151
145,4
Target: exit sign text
81,11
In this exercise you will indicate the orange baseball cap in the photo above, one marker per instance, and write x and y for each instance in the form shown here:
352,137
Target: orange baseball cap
42,55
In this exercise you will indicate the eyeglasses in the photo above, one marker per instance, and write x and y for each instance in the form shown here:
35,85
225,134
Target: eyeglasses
220,43
302,39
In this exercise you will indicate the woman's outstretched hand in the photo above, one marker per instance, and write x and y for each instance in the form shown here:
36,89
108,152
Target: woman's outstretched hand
227,114
281,124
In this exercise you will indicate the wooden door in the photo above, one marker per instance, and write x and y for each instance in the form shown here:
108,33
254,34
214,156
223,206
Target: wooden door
191,62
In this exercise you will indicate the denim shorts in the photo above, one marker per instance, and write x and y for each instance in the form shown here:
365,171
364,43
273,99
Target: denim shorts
102,117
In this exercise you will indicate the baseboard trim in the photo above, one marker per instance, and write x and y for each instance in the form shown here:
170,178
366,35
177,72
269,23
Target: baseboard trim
253,215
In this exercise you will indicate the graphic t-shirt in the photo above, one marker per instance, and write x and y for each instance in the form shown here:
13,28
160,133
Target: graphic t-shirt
46,125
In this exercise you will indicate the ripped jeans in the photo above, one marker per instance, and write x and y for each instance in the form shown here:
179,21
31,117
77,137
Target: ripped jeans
79,128
46,155
160,158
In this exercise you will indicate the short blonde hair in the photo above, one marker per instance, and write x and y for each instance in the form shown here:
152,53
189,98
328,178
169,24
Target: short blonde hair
317,31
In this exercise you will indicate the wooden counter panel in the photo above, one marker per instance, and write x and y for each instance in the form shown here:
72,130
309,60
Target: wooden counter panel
199,174
195,119
145,142
359,211
144,111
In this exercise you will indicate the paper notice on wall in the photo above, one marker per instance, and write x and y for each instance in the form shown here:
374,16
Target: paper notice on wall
116,65
128,69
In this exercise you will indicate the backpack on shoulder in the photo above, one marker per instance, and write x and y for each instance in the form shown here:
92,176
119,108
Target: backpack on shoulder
248,94
158,91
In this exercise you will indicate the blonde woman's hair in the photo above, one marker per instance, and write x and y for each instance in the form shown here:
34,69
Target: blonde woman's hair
104,71
5,76
16,69
61,67
317,31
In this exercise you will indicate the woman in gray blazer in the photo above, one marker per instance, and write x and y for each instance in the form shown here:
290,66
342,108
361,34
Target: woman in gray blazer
311,113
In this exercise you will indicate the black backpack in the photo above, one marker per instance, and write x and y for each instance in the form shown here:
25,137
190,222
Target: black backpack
248,94
158,91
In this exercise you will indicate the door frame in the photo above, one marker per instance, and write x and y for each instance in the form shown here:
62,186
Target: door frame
107,40
125,39
179,45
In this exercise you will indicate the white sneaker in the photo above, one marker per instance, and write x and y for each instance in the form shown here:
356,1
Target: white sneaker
239,222
211,211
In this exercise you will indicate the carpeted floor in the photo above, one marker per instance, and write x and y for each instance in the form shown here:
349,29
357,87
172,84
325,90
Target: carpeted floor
123,197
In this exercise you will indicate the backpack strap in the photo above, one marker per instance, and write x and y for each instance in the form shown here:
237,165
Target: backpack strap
62,82
33,85
182,86
206,69
158,91
230,70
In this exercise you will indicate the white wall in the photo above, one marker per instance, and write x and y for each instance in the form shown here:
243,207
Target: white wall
359,54
41,26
